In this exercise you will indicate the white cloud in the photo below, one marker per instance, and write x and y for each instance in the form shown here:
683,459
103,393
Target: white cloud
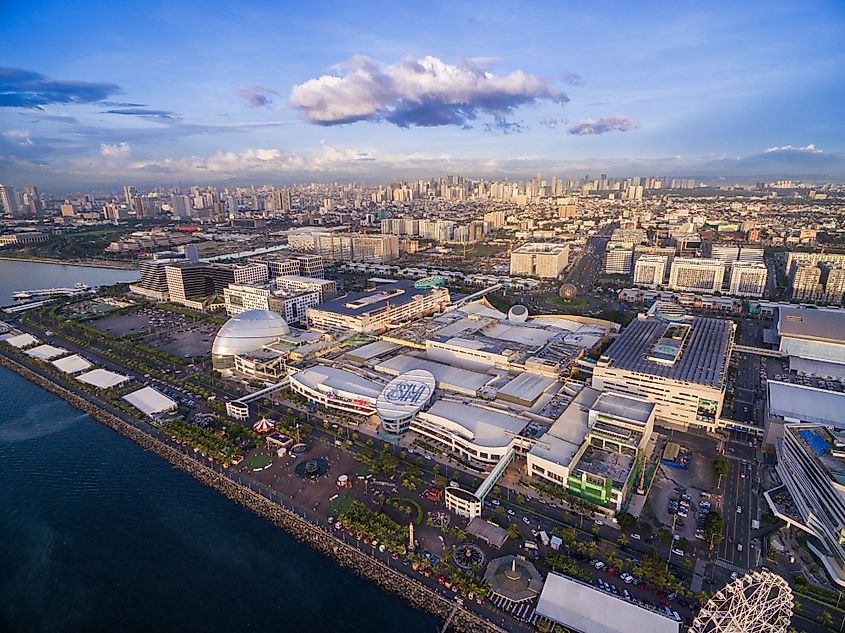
424,92
587,127
21,137
116,150
809,149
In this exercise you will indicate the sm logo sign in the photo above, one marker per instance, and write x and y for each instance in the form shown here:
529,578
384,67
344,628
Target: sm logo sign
407,393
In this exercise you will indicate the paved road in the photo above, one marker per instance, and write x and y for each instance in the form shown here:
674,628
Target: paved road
584,271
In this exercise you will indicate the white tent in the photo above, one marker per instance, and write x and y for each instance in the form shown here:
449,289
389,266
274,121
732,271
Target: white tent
150,401
46,352
71,364
102,378
22,340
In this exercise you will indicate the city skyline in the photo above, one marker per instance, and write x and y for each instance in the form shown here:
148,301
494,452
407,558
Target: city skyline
283,94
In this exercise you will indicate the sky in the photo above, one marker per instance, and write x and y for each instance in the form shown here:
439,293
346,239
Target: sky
100,94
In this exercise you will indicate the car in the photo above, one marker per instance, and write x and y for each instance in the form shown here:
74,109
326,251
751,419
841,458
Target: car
739,547
510,512
599,565
599,522
734,575
635,536
535,533
614,590
626,594
526,521
495,502
739,509
678,551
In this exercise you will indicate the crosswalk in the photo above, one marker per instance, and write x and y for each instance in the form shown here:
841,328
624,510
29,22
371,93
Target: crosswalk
523,611
725,564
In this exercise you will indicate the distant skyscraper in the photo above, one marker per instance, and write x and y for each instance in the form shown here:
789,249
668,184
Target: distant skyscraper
128,194
32,201
9,200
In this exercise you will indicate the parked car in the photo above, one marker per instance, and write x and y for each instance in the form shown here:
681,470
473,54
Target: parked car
678,551
635,536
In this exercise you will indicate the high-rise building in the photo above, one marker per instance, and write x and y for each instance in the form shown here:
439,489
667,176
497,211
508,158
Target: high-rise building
181,206
618,259
650,271
806,282
32,201
190,282
496,219
540,259
251,273
834,289
128,194
9,201
748,279
327,288
291,304
691,274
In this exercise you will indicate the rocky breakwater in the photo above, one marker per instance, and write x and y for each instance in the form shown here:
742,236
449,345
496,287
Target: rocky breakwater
301,529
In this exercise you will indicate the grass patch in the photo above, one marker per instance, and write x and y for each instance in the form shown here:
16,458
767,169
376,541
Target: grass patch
260,461
404,502
340,505
576,302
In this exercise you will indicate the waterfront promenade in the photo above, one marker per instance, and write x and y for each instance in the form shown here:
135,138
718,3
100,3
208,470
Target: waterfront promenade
302,524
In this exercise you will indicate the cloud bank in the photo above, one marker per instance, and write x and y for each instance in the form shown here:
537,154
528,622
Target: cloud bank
587,127
26,89
426,92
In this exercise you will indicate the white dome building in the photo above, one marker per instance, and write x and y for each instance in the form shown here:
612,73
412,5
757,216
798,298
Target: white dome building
247,332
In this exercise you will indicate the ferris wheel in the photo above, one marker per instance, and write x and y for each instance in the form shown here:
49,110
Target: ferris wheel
759,602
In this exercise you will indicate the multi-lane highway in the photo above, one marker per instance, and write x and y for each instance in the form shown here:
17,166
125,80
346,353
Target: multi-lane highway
739,506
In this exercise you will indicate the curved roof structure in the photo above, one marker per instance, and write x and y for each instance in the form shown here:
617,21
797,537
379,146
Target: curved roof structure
405,395
518,314
248,332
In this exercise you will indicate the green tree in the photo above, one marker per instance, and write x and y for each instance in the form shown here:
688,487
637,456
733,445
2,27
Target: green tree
721,466
623,541
714,529
626,520
513,532
824,618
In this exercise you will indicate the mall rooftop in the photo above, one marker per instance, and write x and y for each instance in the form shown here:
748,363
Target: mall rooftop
701,357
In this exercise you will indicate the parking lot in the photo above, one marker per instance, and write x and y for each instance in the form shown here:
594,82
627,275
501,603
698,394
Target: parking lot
174,333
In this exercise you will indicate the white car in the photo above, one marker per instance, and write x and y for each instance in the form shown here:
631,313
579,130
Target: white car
635,536
526,521
599,522
677,551
510,512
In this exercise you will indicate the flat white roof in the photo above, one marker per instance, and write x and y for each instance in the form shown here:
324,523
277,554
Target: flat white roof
562,441
21,340
331,379
527,386
447,377
46,352
150,401
797,403
102,378
372,350
484,427
585,609
71,364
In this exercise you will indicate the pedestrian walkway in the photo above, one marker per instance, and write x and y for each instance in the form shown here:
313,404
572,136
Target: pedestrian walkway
522,611
698,576
726,564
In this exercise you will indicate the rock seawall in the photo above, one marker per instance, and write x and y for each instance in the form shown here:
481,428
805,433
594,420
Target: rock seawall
302,530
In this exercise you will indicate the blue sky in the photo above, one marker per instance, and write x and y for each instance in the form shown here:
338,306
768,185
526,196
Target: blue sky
100,93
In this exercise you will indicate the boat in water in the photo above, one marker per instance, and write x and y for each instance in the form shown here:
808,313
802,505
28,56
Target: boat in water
77,289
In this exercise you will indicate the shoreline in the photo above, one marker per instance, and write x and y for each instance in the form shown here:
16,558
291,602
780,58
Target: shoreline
301,529
60,262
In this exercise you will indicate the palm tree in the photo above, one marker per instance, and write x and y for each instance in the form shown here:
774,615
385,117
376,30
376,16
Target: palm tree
623,541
